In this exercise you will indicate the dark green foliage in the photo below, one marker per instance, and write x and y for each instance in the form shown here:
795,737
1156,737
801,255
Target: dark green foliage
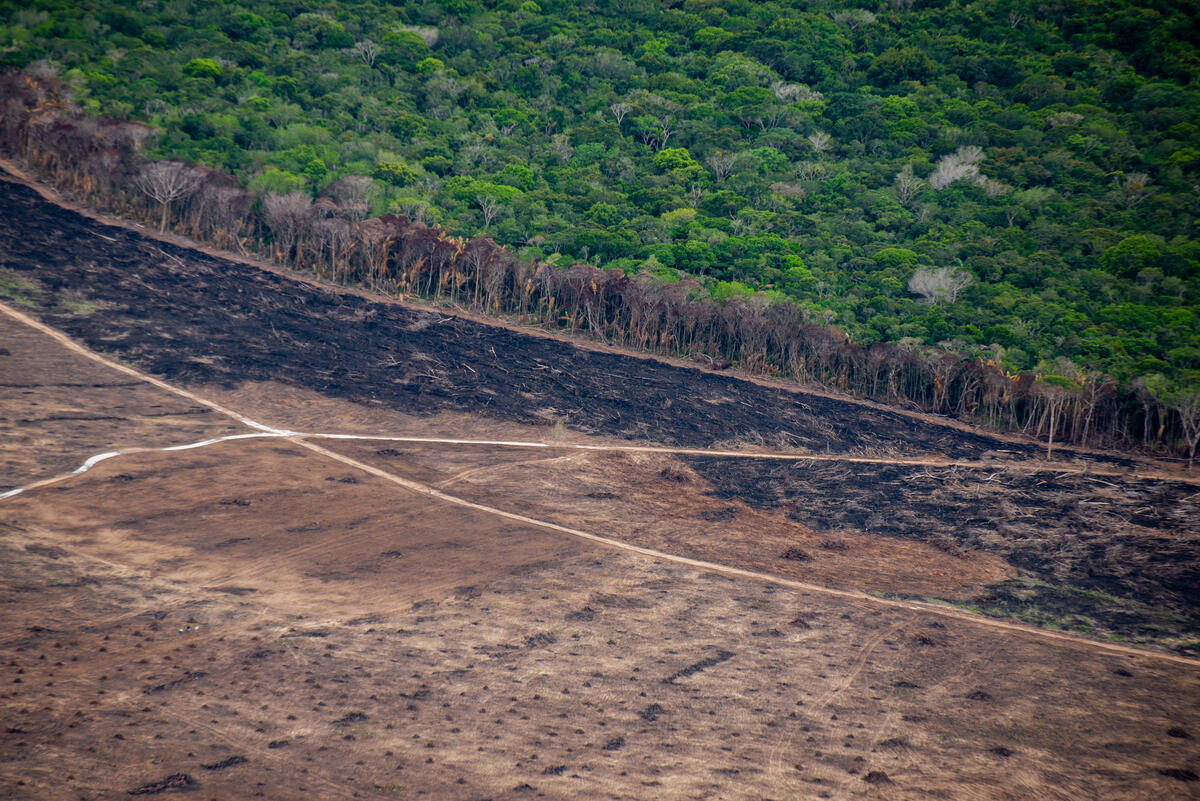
797,151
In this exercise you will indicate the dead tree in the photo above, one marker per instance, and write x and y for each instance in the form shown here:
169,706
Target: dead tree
943,283
1186,403
490,208
287,216
353,195
165,182
721,164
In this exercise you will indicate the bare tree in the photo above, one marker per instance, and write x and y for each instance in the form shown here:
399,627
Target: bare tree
907,185
666,129
413,208
1064,119
353,194
790,191
476,153
820,141
854,18
794,92
721,164
961,165
331,234
560,146
811,170
620,111
994,189
943,283
367,50
166,182
287,216
1055,397
220,208
1186,403
490,207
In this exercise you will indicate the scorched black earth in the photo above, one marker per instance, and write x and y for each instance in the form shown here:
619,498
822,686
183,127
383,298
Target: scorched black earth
1100,554
188,316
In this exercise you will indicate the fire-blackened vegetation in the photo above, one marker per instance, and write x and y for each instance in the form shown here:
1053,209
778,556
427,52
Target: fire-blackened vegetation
176,781
1099,554
192,317
702,665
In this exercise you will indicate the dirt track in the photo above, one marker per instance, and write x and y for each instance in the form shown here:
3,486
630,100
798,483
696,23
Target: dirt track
1142,585
55,406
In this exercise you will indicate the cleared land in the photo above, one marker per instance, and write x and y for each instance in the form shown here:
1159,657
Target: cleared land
58,408
253,618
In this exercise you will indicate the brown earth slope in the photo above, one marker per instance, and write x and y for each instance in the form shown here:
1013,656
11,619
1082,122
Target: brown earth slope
57,408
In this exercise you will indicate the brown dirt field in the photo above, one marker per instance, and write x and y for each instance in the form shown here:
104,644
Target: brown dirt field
58,408
388,646
656,501
289,525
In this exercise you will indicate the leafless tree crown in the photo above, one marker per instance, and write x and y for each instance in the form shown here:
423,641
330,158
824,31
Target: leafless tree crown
940,284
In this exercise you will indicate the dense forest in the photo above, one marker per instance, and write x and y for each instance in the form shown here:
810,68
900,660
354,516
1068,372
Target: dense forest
986,209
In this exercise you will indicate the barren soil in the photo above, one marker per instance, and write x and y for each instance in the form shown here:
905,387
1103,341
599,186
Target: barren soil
258,620
254,618
655,501
58,408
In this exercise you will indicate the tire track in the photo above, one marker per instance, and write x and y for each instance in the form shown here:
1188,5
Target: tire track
776,760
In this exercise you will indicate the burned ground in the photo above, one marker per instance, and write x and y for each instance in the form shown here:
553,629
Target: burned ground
1101,554
195,318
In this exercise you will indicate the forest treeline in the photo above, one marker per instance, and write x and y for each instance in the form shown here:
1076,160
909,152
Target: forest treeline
103,161
1009,178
